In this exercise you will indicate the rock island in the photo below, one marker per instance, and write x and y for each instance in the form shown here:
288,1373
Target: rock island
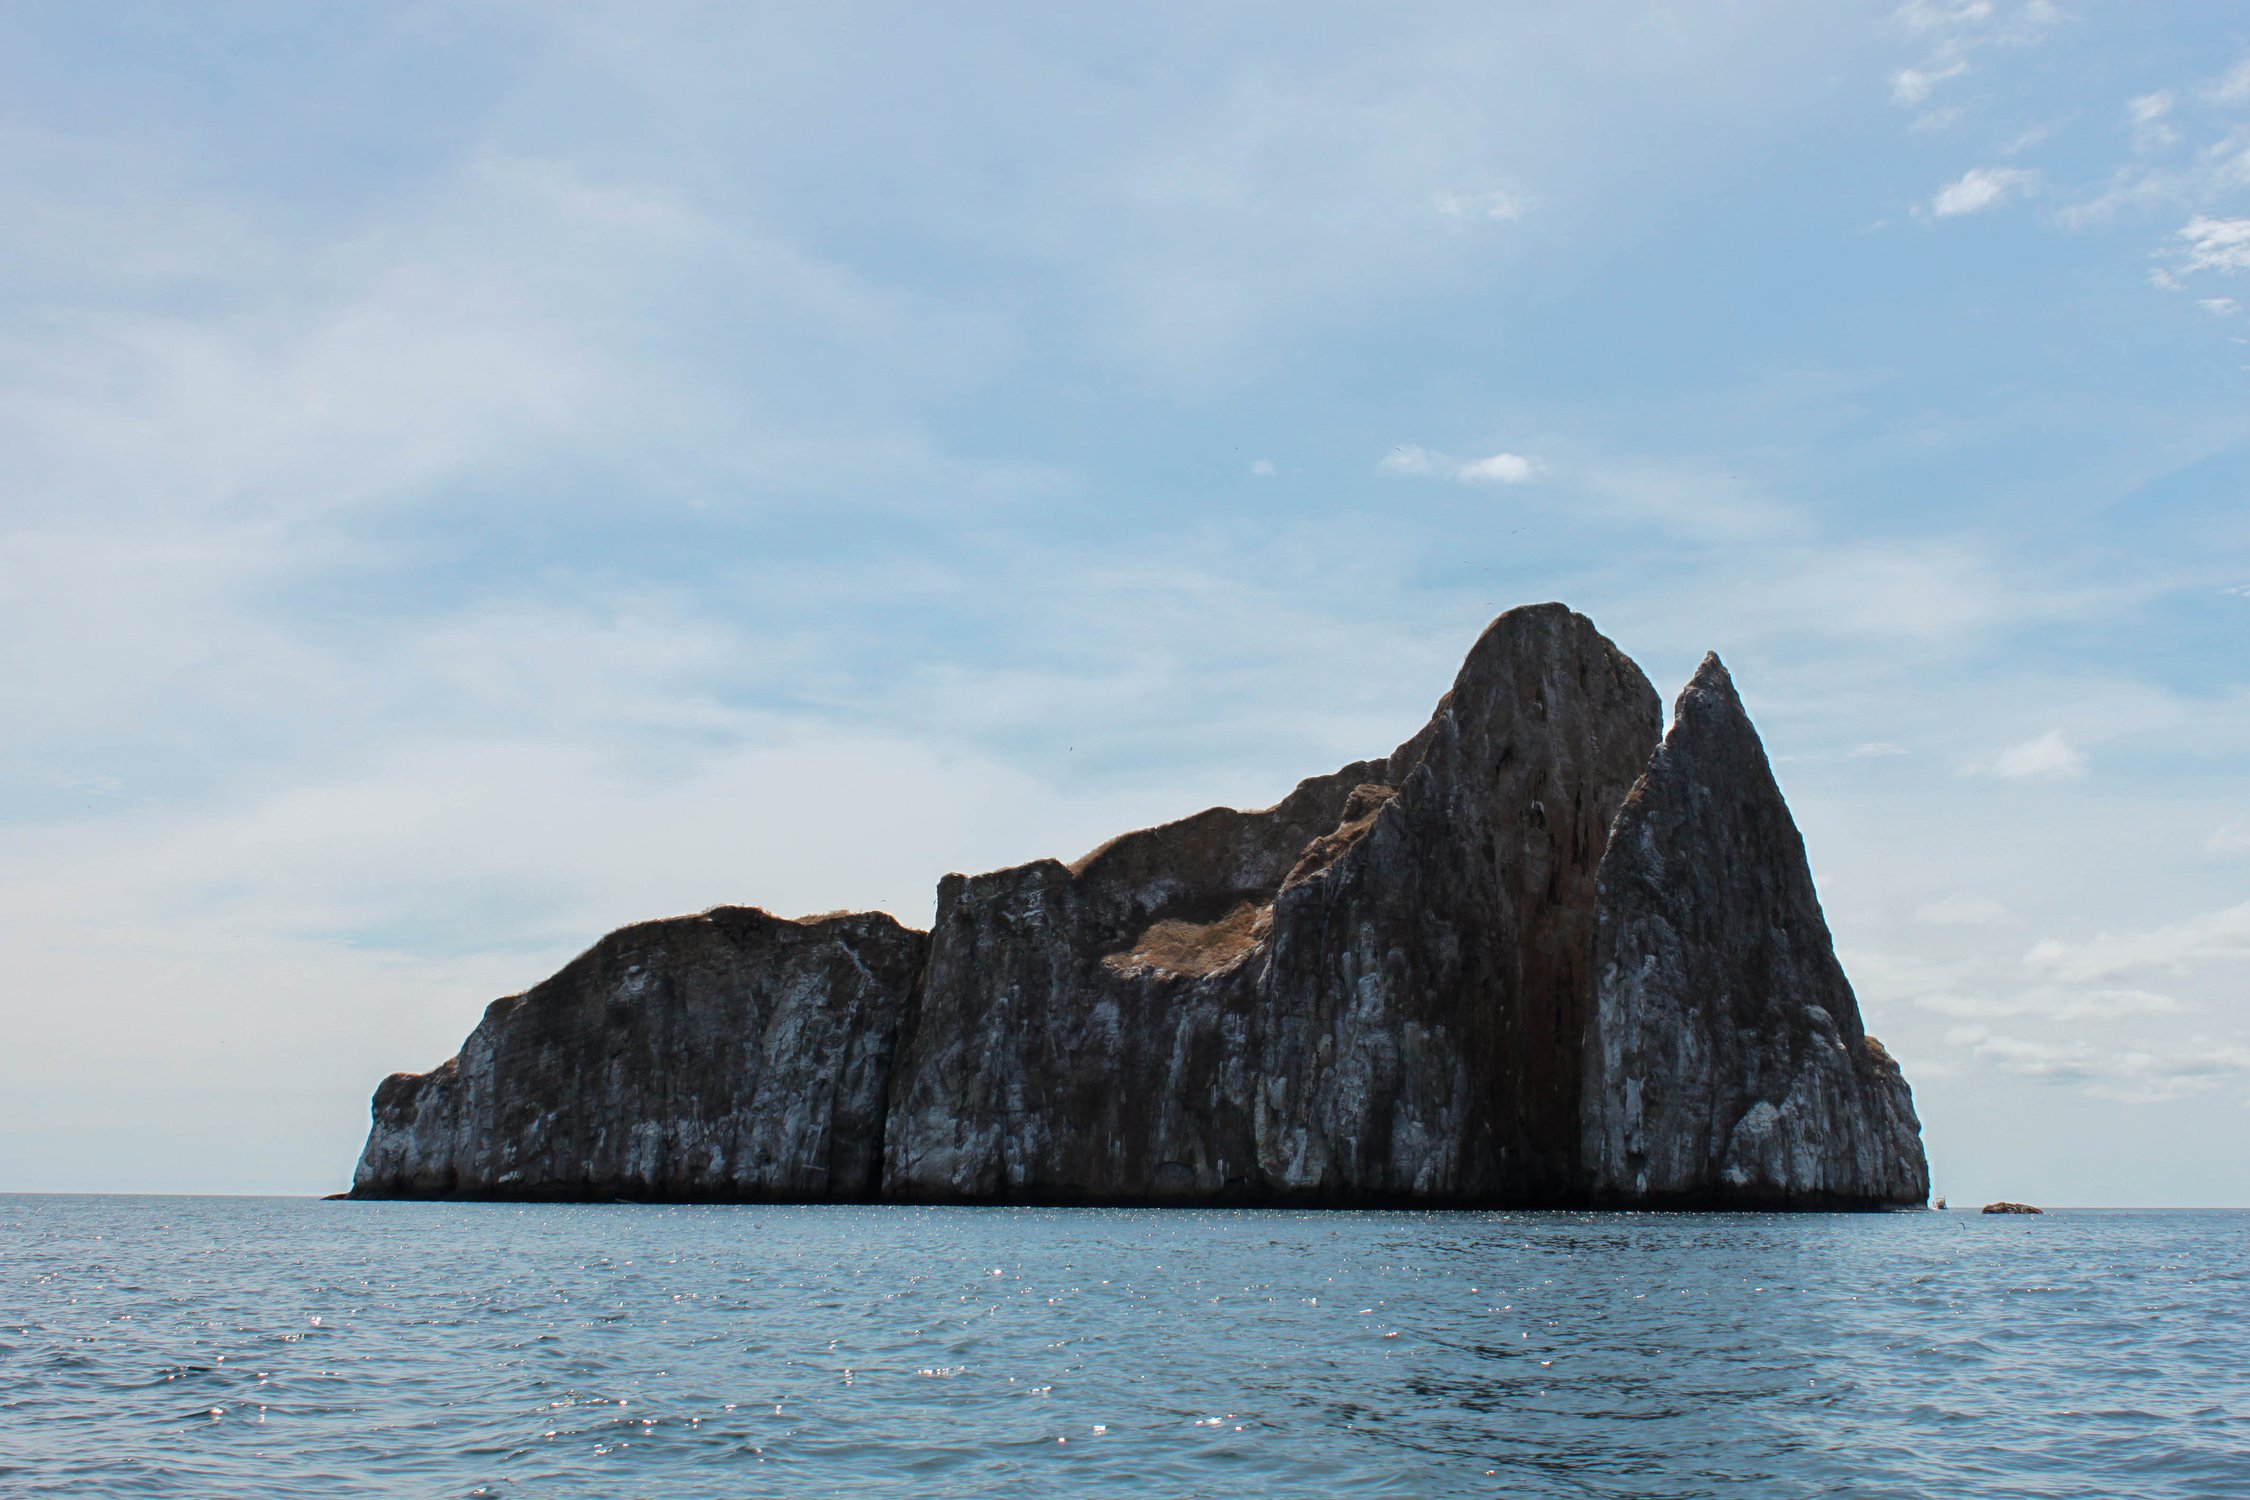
1544,953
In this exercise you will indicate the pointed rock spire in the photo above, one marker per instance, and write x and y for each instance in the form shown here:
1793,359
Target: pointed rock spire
1725,1061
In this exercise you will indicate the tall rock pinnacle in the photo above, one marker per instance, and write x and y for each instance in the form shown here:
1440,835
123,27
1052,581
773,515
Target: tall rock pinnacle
1725,1062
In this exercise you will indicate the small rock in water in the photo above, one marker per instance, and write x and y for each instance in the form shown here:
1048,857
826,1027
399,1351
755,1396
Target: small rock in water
2005,1207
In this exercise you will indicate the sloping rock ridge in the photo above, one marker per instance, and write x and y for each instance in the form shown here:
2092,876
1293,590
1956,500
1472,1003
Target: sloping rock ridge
1532,956
727,1056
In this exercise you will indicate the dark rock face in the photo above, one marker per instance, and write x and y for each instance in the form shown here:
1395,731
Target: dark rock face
731,1055
1725,1062
1358,995
1515,961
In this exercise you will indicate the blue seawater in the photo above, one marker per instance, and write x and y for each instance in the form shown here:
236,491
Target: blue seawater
278,1347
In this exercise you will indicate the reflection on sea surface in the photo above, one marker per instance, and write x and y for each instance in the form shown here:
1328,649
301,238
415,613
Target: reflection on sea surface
279,1347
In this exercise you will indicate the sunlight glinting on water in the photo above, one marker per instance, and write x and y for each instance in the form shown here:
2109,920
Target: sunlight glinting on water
270,1346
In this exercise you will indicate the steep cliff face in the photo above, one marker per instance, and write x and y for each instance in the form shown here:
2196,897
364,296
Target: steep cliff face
1518,960
1726,1062
731,1055
1358,995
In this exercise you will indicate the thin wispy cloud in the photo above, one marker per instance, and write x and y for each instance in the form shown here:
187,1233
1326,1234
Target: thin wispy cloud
2026,139
2191,150
1495,468
2050,757
1953,33
2130,1076
1982,188
2208,244
1915,85
2152,131
2211,937
1944,15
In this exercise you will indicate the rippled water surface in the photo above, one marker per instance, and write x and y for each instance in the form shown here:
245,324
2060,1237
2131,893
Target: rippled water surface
253,1347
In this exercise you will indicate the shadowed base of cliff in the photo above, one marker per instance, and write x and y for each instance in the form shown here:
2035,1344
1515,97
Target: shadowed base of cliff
1537,956
1235,1197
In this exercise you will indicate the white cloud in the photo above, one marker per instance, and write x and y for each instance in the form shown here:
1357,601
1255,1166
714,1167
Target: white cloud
1413,458
1263,468
2230,838
1981,188
1499,468
1954,31
2209,244
2149,108
2218,307
1914,85
1934,15
2027,138
2210,936
1875,749
2050,757
2214,175
2130,1075
2151,130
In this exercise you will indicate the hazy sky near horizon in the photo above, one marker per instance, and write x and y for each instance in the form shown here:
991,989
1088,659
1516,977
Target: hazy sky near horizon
472,475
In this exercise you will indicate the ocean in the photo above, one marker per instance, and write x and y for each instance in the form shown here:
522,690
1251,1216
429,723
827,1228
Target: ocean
249,1347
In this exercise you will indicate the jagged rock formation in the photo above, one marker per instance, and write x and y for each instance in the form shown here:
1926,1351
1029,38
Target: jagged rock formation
1358,995
1725,1061
1515,961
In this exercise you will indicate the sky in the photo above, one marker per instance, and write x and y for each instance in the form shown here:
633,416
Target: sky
473,475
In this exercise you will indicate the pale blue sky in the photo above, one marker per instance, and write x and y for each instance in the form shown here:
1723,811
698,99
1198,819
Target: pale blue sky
475,475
